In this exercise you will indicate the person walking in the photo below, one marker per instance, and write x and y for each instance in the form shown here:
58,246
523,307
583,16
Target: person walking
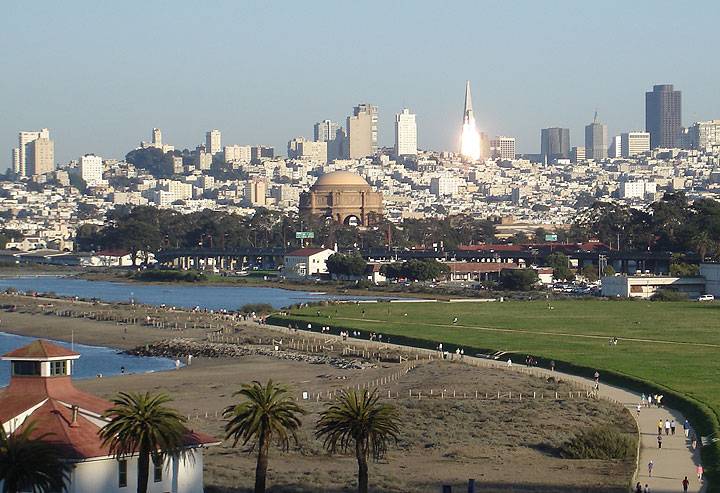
685,483
650,400
660,426
638,488
672,427
643,399
700,472
646,489
686,428
667,427
650,469
639,406
659,439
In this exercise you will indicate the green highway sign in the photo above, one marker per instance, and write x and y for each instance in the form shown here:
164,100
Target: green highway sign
304,235
550,237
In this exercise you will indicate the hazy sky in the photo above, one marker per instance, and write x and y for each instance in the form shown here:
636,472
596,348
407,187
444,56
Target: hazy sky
100,74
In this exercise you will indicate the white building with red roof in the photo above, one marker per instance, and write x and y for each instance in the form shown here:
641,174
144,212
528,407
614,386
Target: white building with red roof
306,262
41,391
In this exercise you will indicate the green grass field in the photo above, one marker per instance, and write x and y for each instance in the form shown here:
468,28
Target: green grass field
676,345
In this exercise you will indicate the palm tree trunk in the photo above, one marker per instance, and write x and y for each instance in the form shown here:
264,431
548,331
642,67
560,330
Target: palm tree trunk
262,463
362,467
143,471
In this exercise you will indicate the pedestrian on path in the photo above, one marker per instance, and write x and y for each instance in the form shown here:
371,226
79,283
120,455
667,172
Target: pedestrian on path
693,438
659,441
646,489
650,400
700,472
672,427
650,469
686,428
685,483
667,426
643,400
660,426
638,488
639,406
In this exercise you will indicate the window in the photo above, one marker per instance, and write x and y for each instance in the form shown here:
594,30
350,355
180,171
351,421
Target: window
157,469
58,367
122,473
26,368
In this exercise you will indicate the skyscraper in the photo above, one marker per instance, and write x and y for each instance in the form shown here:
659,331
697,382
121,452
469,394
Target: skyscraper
405,134
213,142
596,140
332,133
663,116
29,159
362,131
469,138
555,143
503,148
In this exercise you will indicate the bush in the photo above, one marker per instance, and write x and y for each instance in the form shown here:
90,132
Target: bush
170,276
257,308
600,442
669,295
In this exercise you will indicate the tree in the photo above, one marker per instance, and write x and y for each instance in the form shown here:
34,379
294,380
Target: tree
353,265
142,424
590,272
268,413
560,265
358,420
153,160
518,279
31,463
424,270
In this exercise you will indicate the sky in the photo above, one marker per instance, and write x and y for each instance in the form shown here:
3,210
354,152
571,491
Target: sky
101,74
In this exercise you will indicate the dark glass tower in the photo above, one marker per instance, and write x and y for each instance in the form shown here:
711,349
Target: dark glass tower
663,116
555,143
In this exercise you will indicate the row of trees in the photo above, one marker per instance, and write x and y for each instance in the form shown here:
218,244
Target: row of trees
671,224
145,425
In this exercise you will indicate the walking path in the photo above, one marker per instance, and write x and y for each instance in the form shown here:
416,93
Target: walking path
675,460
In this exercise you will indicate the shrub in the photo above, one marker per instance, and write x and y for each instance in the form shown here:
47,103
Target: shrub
170,276
669,295
258,308
600,442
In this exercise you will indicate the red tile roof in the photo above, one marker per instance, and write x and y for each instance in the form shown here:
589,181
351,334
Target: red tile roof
41,349
305,252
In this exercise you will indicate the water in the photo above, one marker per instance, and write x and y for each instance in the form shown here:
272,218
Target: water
93,359
180,295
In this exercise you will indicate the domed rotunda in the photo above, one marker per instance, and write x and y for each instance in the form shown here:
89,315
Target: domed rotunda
343,196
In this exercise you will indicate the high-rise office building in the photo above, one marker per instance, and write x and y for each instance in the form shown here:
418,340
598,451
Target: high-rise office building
663,116
470,145
325,130
703,134
259,152
615,149
596,140
634,143
91,169
554,143
237,154
362,131
577,154
334,134
405,134
503,148
24,155
213,142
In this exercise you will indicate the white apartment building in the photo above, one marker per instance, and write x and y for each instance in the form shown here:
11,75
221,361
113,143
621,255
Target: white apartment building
212,141
237,154
634,143
405,134
27,160
636,189
503,147
91,169
704,134
442,186
301,148
203,159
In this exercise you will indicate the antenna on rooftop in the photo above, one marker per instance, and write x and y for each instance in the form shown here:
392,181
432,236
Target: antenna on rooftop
595,117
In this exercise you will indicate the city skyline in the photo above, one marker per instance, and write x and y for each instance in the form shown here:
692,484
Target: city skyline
262,107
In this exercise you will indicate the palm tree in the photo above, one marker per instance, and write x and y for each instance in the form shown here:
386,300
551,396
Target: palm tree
268,413
31,463
703,244
358,420
143,424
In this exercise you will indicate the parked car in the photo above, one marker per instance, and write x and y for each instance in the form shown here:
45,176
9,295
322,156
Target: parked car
706,297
